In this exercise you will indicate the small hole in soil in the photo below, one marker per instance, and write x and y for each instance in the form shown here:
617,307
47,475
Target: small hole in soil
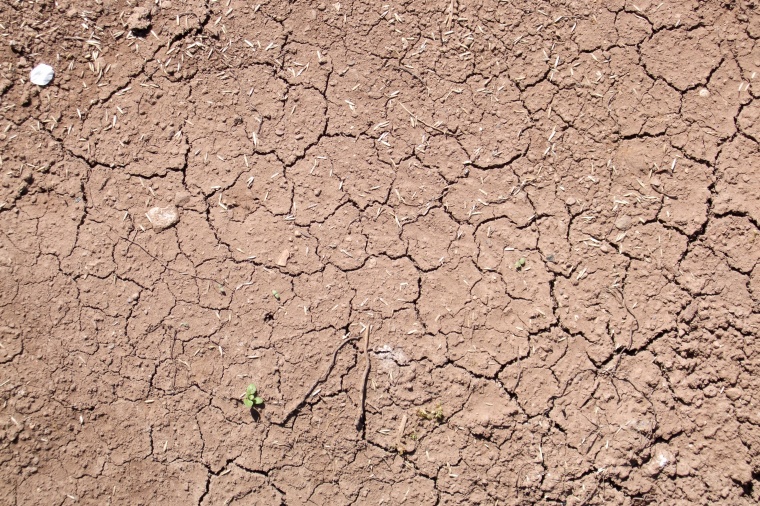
749,488
268,317
141,33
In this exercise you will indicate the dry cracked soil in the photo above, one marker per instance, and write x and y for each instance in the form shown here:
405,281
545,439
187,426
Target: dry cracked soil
470,252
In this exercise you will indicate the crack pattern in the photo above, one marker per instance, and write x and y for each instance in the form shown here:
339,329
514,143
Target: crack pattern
549,217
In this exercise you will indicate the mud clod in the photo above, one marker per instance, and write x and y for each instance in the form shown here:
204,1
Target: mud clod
623,223
140,19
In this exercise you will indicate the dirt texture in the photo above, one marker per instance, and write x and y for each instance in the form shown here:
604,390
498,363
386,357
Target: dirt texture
470,252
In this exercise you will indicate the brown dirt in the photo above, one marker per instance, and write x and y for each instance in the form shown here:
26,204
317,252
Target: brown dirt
385,165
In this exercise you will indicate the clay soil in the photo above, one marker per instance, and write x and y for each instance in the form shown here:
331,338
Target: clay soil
542,221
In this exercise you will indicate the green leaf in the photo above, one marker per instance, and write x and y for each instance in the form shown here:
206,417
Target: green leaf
248,402
251,390
258,400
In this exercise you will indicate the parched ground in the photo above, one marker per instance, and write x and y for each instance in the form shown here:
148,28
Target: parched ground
543,222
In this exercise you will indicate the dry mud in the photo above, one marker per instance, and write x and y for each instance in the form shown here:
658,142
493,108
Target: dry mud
383,164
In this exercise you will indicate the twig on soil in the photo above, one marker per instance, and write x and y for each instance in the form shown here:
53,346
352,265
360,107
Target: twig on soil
319,380
174,363
424,84
400,435
360,419
590,494
673,197
445,132
450,16
166,264
625,305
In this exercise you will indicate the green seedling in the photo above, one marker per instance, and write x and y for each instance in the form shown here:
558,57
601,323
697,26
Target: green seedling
249,399
436,414
520,264
276,294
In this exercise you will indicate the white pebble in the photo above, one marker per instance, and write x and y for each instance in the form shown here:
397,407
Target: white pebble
42,74
163,217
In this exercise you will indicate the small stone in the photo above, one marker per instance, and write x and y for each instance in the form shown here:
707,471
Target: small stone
282,260
317,192
163,217
604,248
139,19
42,74
570,201
297,233
704,93
623,223
181,198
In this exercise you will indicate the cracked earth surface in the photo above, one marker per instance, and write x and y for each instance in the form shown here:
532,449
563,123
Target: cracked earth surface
383,165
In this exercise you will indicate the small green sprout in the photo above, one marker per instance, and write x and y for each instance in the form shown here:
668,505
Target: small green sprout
436,414
249,399
276,294
520,264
